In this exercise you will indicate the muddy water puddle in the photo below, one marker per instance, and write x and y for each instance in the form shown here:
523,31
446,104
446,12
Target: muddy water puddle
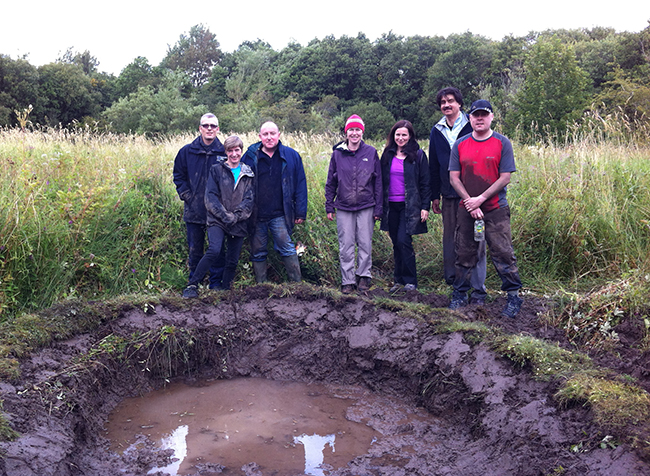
286,428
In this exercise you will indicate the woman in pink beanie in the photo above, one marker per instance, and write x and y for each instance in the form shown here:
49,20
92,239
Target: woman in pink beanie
353,193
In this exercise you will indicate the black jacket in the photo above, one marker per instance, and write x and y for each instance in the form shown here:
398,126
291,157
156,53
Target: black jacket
439,152
416,183
191,168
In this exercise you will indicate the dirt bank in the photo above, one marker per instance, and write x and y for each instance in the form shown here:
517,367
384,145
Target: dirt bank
494,418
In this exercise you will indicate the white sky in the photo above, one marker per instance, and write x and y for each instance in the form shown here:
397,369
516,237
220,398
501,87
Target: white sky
116,32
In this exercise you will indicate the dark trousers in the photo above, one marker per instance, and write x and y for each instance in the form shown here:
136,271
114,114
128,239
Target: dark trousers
196,244
216,238
403,252
499,241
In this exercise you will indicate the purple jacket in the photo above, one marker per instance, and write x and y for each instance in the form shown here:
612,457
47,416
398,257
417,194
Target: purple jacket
354,180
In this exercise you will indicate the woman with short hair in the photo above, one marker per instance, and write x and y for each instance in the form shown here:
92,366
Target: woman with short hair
229,197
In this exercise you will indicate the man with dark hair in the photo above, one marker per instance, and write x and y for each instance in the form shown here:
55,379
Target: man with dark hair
454,124
191,168
280,200
480,166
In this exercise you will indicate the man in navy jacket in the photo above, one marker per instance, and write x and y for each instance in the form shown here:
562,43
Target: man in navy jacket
191,168
280,200
453,125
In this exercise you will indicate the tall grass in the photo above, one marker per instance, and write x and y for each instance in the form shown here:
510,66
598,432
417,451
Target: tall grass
92,214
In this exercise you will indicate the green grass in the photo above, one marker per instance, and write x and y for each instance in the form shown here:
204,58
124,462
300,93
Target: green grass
94,215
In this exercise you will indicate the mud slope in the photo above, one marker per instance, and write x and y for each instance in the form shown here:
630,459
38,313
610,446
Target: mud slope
494,419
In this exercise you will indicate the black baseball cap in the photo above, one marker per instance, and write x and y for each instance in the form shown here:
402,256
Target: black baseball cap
480,105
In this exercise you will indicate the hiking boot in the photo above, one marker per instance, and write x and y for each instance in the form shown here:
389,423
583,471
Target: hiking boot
477,300
410,287
347,288
512,306
458,300
396,287
190,292
364,284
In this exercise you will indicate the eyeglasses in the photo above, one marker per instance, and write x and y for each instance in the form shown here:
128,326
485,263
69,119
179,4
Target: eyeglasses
210,126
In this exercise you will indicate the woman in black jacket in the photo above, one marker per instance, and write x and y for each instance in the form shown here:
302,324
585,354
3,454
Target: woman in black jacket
407,199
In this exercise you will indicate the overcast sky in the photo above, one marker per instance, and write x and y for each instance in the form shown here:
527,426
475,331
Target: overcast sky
116,32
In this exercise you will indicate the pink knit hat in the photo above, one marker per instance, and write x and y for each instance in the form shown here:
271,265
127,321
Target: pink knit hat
354,121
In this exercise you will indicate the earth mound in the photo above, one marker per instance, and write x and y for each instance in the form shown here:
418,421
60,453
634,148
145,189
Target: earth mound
495,418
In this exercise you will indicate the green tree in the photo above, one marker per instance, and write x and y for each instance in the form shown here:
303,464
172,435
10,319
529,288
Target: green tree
554,93
18,88
87,62
134,75
67,94
251,71
402,72
623,94
344,67
464,64
152,111
194,54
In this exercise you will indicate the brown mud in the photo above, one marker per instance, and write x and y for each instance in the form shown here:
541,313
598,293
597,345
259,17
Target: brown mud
493,418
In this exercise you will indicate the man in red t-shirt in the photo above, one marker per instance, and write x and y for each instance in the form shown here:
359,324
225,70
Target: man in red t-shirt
479,170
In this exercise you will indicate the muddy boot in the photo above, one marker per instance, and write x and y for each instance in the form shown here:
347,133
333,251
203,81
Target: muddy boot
292,266
259,268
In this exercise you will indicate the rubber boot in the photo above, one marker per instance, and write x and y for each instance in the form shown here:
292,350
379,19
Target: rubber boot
259,268
292,265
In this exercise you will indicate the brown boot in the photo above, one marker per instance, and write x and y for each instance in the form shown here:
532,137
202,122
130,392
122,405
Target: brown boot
364,284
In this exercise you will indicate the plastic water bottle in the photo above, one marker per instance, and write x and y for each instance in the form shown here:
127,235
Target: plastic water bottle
479,230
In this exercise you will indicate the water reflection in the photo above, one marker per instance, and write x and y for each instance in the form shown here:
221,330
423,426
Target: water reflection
177,442
284,427
314,451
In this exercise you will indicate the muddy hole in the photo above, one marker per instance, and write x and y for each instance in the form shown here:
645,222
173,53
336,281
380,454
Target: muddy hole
259,384
289,427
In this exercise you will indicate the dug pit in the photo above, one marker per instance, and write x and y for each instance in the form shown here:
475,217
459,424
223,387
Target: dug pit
448,405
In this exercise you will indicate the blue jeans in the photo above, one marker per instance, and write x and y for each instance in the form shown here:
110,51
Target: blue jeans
217,236
281,239
196,244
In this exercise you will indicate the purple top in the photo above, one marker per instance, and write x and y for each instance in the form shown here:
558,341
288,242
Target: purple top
396,189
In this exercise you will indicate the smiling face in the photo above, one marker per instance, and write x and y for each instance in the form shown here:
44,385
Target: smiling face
402,137
270,136
354,136
450,108
481,122
234,156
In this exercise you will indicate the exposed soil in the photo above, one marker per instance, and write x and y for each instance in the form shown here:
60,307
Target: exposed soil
497,419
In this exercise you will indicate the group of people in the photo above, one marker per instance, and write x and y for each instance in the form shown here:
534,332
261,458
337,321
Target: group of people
229,194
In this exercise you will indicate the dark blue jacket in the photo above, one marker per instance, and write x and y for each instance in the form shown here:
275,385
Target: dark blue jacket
416,184
354,180
294,182
439,152
191,168
229,205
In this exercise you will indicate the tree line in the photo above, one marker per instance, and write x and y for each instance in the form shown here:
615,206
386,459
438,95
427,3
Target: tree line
540,84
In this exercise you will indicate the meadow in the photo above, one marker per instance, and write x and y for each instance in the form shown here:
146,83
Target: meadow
89,214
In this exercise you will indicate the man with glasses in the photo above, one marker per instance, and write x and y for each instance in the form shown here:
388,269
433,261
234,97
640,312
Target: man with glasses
191,168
